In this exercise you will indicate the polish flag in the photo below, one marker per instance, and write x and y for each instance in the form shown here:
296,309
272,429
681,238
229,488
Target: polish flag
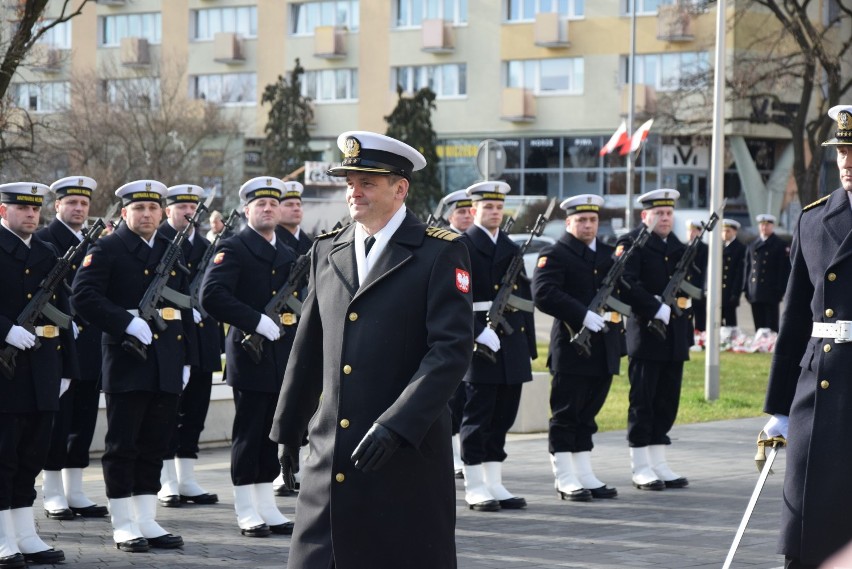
618,138
637,139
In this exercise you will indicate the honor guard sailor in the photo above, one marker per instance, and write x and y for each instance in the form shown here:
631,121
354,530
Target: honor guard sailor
699,306
733,271
38,364
385,338
567,276
141,395
74,425
247,271
767,270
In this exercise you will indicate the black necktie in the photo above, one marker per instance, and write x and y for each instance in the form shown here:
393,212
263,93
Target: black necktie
368,244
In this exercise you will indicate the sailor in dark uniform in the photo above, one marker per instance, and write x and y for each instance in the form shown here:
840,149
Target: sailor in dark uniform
567,277
699,306
74,426
246,272
141,394
656,366
178,481
493,390
767,270
44,365
733,271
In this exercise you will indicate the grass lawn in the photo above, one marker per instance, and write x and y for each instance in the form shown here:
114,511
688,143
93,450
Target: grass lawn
741,390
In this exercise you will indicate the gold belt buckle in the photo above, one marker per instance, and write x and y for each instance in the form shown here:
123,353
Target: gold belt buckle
168,313
615,317
682,302
49,331
288,319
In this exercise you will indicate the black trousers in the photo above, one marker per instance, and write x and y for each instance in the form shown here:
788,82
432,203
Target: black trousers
139,426
575,401
654,400
74,426
489,412
254,457
192,412
729,315
24,439
699,314
456,405
792,563
765,315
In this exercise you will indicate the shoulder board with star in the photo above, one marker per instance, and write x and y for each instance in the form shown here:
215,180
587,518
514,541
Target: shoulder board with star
331,233
444,234
819,202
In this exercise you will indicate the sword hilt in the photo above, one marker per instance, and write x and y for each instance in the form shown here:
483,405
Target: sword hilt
764,440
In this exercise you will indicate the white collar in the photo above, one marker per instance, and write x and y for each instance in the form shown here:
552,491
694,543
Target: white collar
274,237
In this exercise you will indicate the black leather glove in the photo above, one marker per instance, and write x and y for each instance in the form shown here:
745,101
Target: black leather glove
289,459
375,448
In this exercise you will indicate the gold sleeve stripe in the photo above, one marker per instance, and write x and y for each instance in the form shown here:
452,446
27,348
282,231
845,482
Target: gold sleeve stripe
820,201
444,234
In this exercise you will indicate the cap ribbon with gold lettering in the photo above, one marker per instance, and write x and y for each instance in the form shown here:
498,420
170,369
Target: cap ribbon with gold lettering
141,191
23,193
262,187
73,186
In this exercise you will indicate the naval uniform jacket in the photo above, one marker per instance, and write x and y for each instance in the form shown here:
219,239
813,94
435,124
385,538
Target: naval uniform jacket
391,351
300,245
767,269
567,277
35,386
809,382
733,272
488,264
113,279
648,272
207,340
245,274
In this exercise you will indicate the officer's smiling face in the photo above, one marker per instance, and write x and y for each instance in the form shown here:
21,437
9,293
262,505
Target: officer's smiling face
844,164
374,198
142,218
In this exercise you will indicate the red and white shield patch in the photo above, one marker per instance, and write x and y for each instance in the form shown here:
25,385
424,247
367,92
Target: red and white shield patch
463,280
87,260
220,256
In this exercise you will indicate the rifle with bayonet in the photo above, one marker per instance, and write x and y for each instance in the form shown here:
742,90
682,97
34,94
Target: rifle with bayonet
195,285
435,219
157,290
604,299
678,285
504,299
508,224
253,343
40,305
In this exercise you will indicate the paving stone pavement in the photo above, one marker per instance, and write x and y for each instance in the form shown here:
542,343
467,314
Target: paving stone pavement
672,529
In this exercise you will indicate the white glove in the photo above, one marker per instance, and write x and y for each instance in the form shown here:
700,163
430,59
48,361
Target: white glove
75,329
185,378
593,321
196,316
20,337
489,339
777,426
140,330
664,312
267,328
64,384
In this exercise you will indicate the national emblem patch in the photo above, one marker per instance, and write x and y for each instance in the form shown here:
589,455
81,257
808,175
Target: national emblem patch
220,256
87,260
542,261
619,250
463,280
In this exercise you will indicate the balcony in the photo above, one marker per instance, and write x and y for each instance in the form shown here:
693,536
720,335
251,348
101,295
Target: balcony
437,36
44,58
330,42
134,52
228,48
674,24
518,105
551,31
644,100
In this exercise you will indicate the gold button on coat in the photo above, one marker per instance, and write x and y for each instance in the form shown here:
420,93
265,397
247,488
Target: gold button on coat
832,277
156,337
829,313
823,384
347,369
826,348
344,423
339,477
353,316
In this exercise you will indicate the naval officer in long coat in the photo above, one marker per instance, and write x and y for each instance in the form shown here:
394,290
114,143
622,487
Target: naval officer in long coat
809,390
386,335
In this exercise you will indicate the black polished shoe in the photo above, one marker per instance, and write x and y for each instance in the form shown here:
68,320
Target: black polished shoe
257,531
201,499
579,495
282,529
138,545
93,511
167,541
15,561
603,492
46,557
653,485
65,514
513,503
677,483
486,506
284,491
172,501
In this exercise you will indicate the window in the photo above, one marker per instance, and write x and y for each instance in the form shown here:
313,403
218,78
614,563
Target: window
651,7
331,85
306,16
113,28
208,22
525,10
670,71
557,76
411,13
136,93
42,97
59,36
448,80
224,88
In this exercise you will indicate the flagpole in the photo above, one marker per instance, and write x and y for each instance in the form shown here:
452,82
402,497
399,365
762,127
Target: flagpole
628,211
